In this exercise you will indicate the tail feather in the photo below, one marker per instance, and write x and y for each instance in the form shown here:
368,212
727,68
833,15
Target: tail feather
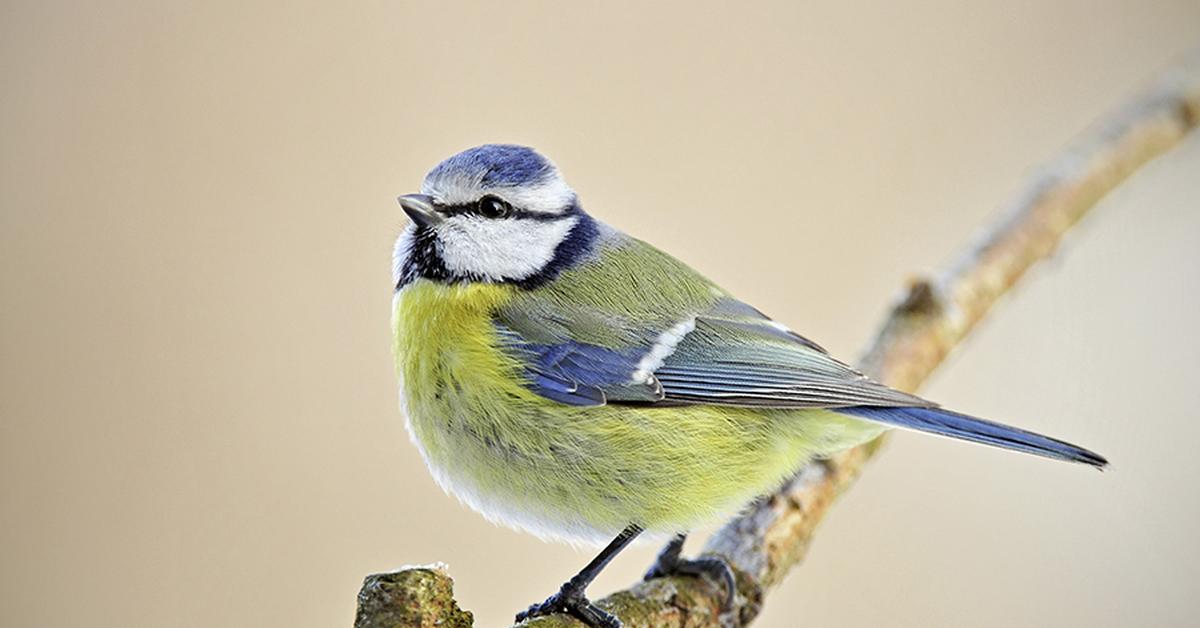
969,428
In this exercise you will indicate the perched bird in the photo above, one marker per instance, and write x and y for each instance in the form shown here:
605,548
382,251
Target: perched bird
569,380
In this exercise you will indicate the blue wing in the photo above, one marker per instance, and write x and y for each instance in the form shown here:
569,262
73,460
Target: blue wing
737,356
728,354
732,355
580,374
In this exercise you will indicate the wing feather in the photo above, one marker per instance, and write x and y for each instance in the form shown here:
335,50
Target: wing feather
590,337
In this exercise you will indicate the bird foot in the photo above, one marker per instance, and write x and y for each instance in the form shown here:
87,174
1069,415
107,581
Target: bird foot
570,600
669,563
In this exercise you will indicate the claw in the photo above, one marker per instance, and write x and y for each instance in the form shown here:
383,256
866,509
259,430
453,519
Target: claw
669,563
570,598
572,602
715,568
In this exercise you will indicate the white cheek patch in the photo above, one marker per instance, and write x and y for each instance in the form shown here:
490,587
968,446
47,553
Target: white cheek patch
498,250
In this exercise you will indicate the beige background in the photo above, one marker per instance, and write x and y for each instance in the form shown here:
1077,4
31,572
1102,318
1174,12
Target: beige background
198,422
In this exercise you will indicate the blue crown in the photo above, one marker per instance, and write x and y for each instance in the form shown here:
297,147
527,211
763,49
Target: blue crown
496,165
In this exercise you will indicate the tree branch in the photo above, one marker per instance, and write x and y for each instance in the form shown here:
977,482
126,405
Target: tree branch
934,316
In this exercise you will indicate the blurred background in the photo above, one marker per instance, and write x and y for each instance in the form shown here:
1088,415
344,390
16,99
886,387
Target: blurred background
198,418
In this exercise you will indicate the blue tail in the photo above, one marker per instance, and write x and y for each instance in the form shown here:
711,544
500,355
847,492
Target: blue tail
969,428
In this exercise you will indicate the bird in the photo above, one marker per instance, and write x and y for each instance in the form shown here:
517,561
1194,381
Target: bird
568,380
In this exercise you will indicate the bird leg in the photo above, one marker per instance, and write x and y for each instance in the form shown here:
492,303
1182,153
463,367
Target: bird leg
570,598
669,563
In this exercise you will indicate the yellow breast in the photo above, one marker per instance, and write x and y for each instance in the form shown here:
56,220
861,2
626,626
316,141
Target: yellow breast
444,332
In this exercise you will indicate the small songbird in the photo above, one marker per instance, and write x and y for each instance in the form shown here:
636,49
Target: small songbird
569,380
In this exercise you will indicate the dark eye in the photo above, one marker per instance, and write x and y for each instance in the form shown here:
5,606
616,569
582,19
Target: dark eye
492,207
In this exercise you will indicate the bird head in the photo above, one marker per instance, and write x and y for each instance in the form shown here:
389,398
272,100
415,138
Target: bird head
494,213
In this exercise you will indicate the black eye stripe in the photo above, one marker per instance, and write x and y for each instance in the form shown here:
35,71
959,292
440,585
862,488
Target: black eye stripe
514,212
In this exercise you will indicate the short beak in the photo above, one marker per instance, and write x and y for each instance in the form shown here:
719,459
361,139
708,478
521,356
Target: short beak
420,209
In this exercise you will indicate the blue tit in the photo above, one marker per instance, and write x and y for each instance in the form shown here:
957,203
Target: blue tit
569,380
